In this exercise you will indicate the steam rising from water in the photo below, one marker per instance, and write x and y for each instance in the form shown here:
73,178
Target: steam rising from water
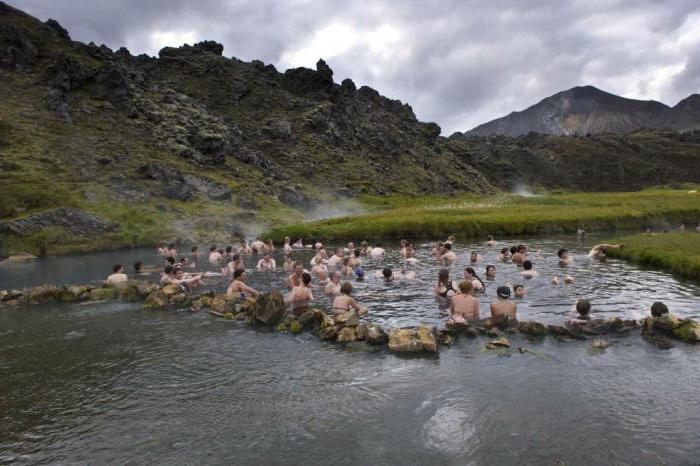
341,208
521,189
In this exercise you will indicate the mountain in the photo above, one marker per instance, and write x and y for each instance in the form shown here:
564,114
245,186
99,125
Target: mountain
103,149
588,110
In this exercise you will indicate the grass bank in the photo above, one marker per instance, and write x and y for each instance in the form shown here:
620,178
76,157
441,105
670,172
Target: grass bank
676,252
467,216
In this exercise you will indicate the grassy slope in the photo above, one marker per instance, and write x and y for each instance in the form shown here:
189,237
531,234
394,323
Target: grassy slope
677,252
472,216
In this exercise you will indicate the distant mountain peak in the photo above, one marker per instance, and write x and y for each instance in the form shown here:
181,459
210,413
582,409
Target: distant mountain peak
588,109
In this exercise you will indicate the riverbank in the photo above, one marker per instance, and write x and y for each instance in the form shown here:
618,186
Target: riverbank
469,216
675,252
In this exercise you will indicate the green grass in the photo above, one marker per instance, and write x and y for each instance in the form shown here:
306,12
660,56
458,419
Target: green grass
676,252
469,216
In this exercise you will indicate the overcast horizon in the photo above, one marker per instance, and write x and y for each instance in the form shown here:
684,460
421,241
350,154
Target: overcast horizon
458,63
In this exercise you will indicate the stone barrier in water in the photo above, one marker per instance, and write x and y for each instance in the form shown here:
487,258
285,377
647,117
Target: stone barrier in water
270,311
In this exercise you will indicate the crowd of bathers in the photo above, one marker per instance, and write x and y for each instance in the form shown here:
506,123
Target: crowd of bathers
333,270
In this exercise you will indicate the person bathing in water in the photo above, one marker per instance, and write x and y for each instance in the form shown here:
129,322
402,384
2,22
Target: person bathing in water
287,246
344,302
235,264
390,276
503,308
565,259
599,250
449,256
295,278
266,264
528,271
491,242
238,286
581,313
320,271
519,291
477,283
504,256
288,265
490,272
214,255
301,295
333,286
444,288
464,307
118,278
377,252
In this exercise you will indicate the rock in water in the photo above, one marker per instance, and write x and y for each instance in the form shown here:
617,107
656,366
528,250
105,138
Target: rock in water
156,301
404,340
532,329
269,308
361,330
348,319
498,342
427,334
346,335
328,333
295,326
375,335
601,344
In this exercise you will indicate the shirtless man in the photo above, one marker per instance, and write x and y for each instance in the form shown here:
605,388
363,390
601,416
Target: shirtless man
333,286
519,256
266,264
139,269
320,271
504,308
171,251
287,246
243,247
491,242
235,264
519,291
214,255
257,245
565,259
364,248
377,252
581,313
449,257
190,281
464,306
238,286
474,257
118,278
288,264
599,250
300,295
528,271
294,278
335,261
299,244
194,251
504,256
345,302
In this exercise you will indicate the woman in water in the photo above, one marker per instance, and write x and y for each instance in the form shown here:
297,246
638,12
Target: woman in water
333,286
346,269
504,256
287,247
464,307
470,274
238,286
320,271
444,288
344,302
301,295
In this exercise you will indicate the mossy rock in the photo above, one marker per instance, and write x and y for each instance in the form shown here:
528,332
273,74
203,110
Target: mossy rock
156,301
102,293
295,326
130,293
688,331
282,327
532,329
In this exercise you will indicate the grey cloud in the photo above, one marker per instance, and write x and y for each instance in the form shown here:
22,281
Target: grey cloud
459,63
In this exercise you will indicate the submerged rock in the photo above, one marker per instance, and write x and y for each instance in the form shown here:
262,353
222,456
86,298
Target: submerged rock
502,342
670,325
532,328
102,293
156,301
601,344
346,335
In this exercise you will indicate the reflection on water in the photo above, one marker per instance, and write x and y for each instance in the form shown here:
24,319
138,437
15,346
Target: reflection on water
108,382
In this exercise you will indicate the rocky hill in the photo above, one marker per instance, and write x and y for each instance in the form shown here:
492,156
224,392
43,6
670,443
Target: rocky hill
194,145
588,110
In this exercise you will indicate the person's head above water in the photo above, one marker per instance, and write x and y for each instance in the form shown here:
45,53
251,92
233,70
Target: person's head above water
168,269
170,260
466,286
387,273
519,291
513,249
335,277
346,288
658,309
239,274
583,307
305,278
138,265
117,268
505,251
298,268
562,252
236,257
212,248
360,272
503,292
448,246
194,249
527,265
229,249
490,271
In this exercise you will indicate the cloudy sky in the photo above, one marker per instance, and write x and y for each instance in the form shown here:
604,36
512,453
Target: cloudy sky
457,62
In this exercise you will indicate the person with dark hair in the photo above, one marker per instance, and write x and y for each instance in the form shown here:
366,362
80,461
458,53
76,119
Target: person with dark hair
243,247
528,271
519,256
186,280
658,309
214,255
504,256
171,251
581,314
320,271
444,288
266,264
294,279
194,251
477,283
185,263
490,272
503,308
238,286
229,251
170,260
388,274
564,258
300,296
344,302
474,257
118,278
491,242
513,250
168,275
519,291
449,256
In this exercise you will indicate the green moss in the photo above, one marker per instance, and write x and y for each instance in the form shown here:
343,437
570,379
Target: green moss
687,332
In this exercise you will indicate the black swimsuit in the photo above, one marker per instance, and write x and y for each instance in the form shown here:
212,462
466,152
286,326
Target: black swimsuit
448,288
